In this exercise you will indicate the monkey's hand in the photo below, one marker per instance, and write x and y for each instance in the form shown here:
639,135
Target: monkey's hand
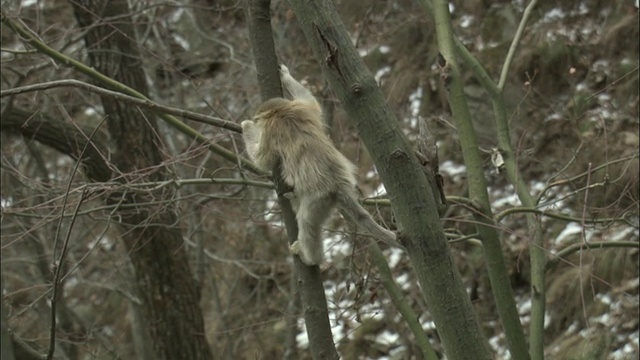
250,133
288,81
251,136
284,71
246,124
295,89
291,196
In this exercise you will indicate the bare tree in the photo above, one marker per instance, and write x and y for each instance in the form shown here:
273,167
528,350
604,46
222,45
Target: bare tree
134,227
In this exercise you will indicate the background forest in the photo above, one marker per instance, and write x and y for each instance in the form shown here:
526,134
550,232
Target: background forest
133,228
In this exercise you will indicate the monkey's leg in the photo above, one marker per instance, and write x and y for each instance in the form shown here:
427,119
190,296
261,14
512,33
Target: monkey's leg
312,213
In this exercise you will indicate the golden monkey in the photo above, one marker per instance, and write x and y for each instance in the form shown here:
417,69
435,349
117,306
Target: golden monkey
293,132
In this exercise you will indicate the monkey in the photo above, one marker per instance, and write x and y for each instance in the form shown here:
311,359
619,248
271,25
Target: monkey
322,178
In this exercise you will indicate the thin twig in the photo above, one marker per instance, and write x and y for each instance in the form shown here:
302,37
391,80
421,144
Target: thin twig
583,244
576,177
58,271
553,215
63,252
33,40
591,245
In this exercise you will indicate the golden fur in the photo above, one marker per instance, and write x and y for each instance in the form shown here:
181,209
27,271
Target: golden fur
292,131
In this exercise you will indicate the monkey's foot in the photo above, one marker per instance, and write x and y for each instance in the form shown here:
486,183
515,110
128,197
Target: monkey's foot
295,249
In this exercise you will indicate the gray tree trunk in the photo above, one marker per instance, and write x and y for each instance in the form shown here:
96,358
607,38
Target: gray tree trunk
412,199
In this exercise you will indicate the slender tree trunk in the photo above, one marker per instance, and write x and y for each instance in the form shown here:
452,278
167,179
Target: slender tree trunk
313,298
150,232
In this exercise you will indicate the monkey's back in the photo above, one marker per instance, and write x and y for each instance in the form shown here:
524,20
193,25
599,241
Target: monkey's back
310,162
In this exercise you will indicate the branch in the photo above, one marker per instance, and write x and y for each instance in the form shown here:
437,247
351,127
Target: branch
23,351
312,294
593,245
552,215
58,266
481,74
514,44
581,175
400,302
502,128
146,103
32,40
27,213
486,226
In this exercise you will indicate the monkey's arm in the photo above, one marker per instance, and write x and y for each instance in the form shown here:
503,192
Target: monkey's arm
264,156
251,135
297,90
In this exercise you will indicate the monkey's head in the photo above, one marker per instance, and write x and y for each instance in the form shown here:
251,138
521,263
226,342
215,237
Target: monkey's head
271,107
280,111
274,109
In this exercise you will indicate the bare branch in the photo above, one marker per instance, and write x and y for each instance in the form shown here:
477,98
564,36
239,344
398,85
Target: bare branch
32,40
57,265
514,44
592,245
146,103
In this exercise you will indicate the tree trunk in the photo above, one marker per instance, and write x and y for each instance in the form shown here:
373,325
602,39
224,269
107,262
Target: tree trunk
313,298
150,232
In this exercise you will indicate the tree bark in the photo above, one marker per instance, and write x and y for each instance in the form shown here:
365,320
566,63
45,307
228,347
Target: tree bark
149,232
412,199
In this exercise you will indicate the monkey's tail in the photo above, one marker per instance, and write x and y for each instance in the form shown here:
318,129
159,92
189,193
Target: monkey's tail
351,210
